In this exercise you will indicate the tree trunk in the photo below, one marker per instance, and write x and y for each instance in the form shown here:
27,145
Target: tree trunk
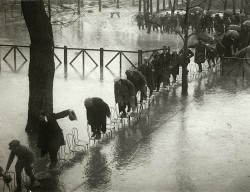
234,6
185,47
209,4
158,6
170,4
225,4
173,7
163,4
41,66
241,6
140,5
151,6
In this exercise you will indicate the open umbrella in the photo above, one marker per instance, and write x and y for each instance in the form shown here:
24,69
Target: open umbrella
211,12
246,23
234,27
228,12
233,34
196,10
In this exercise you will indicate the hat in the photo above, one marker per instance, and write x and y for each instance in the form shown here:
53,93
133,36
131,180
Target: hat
72,115
14,143
88,102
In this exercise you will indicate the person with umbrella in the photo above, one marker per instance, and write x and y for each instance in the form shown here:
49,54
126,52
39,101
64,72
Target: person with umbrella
200,53
50,137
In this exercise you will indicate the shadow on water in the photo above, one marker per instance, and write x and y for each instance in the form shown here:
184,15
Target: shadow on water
97,170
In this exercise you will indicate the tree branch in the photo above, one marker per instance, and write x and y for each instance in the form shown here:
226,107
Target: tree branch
197,4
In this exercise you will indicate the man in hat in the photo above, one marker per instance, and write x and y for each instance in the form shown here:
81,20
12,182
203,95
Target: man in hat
25,160
147,70
124,95
139,81
50,137
97,111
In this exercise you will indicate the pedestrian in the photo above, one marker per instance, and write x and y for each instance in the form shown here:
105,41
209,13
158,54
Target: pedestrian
159,71
50,137
200,53
124,95
25,160
147,70
219,51
210,56
174,66
227,42
139,81
97,111
165,60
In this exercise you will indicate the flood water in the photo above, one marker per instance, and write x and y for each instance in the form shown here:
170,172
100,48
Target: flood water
196,143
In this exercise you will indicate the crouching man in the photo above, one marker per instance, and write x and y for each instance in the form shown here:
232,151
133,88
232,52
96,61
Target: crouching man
25,160
124,95
97,111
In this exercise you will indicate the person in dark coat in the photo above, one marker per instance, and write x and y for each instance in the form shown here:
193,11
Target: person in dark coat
159,72
227,42
97,111
50,137
165,60
147,70
211,56
200,54
25,160
124,95
220,51
175,64
139,81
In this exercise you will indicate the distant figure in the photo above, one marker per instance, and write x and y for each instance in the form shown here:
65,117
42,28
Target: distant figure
165,60
211,53
139,81
220,51
50,136
97,111
25,160
200,53
227,42
175,64
124,95
147,70
159,72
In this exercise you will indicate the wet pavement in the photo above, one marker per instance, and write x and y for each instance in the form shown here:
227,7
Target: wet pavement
193,143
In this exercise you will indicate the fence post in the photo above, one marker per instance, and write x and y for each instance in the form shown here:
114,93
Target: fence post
139,58
15,58
83,64
65,62
101,64
120,64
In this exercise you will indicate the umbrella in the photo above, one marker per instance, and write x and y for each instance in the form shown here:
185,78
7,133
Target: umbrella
196,10
234,27
211,12
246,23
233,34
228,12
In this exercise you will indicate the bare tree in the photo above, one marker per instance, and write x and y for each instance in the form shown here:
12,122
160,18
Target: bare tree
224,4
189,5
209,4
